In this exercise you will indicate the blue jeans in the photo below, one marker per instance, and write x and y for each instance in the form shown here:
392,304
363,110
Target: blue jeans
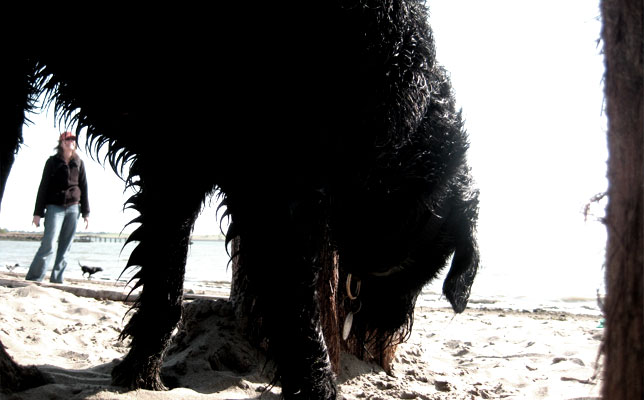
60,225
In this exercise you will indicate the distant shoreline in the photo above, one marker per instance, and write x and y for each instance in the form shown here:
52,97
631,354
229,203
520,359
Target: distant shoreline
37,236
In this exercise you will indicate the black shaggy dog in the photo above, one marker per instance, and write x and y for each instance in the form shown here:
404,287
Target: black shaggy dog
328,125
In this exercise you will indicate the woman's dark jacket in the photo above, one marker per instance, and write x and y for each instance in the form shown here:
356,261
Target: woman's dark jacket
63,185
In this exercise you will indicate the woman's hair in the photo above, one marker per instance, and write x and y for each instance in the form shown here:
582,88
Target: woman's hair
59,148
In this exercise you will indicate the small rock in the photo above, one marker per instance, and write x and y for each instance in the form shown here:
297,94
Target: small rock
414,352
461,353
443,386
384,385
242,384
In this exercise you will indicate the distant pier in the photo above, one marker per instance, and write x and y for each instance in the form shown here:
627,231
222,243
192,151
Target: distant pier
99,238
83,238
94,237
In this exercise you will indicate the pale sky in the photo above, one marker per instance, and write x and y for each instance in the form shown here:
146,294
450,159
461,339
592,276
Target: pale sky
528,75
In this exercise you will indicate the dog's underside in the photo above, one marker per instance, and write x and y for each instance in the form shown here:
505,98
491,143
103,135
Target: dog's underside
331,136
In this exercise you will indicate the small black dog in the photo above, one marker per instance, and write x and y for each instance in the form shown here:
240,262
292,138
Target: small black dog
89,270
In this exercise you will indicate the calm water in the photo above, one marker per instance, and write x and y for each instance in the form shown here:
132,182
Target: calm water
502,286
207,260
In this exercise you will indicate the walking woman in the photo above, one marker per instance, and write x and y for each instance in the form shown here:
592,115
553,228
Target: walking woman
62,197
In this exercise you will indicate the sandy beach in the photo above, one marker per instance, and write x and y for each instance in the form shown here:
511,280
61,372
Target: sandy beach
480,354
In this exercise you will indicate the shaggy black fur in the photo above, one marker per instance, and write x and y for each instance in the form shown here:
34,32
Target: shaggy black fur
316,122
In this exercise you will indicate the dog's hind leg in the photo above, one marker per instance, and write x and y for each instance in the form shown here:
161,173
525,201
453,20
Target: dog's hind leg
15,378
17,96
167,218
282,284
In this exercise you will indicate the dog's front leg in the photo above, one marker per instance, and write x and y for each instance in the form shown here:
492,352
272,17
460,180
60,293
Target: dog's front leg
281,285
167,218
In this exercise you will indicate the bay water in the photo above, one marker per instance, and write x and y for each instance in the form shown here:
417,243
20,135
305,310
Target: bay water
502,286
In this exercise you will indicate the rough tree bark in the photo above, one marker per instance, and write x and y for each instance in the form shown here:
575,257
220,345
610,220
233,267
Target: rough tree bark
623,346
